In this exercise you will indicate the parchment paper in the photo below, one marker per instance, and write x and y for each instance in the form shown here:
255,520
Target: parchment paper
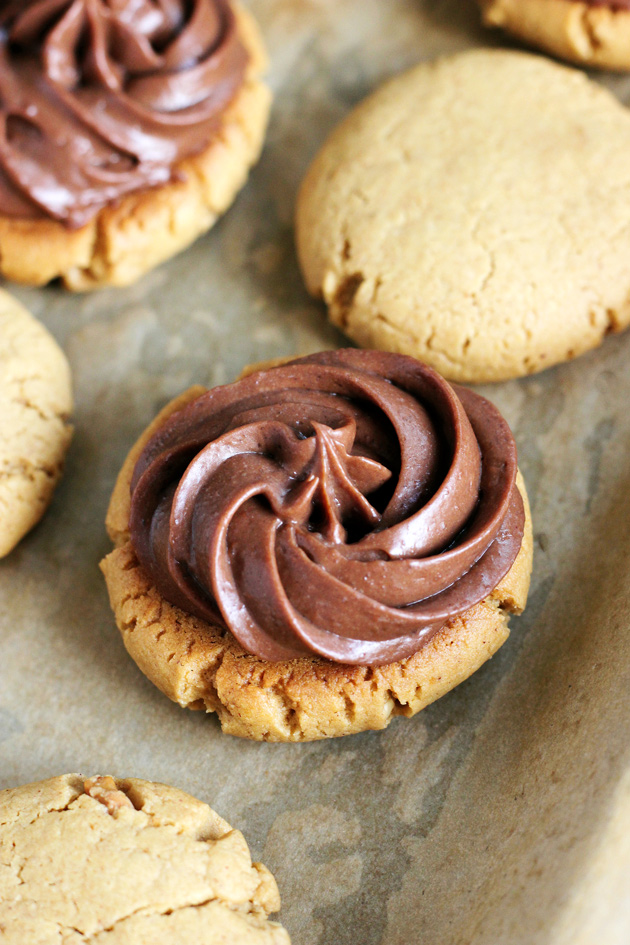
501,814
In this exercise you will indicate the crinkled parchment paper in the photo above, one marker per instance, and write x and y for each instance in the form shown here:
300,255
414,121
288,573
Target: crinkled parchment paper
501,814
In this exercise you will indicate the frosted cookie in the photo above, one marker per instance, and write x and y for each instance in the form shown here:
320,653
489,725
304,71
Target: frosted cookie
589,32
473,212
119,862
129,129
35,432
320,546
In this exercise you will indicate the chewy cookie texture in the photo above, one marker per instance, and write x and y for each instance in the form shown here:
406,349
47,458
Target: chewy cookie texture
589,34
200,665
35,406
473,212
118,862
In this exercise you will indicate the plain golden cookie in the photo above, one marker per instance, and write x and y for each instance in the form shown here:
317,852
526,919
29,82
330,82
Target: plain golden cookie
591,36
123,862
35,406
474,212
125,241
201,666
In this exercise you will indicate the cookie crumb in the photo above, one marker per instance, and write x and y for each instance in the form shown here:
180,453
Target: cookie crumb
104,790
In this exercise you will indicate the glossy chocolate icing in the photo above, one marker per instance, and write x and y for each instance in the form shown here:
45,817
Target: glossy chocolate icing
346,504
101,98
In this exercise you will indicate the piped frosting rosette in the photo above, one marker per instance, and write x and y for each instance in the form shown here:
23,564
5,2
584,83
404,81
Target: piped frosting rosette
100,98
346,504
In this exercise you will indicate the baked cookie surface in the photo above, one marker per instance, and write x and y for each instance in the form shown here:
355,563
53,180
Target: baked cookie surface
127,861
590,35
473,212
141,230
35,406
202,666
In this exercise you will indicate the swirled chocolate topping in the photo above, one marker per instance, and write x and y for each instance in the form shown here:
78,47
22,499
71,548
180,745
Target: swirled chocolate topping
346,504
101,98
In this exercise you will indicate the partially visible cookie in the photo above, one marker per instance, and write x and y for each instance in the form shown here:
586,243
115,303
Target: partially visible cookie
120,862
590,34
138,230
474,212
35,406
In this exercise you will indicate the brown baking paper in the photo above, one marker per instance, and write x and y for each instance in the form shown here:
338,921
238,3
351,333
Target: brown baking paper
501,814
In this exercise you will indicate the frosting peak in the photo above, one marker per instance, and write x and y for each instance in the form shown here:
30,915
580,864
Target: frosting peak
346,504
100,98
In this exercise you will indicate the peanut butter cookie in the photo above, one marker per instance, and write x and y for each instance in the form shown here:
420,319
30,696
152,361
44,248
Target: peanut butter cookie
288,618
113,169
473,212
118,862
35,406
594,34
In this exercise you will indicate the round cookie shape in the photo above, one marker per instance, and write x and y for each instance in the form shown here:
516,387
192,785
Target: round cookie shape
200,665
122,861
35,406
473,212
137,231
594,34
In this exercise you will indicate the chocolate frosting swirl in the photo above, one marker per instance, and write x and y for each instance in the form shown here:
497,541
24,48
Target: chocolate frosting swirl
346,504
101,98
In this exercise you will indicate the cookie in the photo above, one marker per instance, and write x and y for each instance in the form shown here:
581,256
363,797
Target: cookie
473,212
590,34
264,689
110,219
35,406
127,861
